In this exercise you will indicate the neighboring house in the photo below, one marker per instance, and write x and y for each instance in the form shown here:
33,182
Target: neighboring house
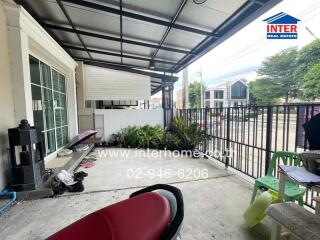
228,94
155,103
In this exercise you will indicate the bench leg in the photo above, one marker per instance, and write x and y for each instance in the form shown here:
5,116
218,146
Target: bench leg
317,200
276,231
318,209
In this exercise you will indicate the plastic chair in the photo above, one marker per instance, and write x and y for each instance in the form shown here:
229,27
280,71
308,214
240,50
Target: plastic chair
292,190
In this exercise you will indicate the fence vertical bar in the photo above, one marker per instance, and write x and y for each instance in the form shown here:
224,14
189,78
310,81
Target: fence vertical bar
227,151
268,138
297,128
205,130
94,121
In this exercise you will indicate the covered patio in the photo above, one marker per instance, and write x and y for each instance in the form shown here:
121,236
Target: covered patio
213,205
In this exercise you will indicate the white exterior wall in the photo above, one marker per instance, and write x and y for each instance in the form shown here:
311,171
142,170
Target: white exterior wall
7,115
227,101
20,36
212,100
116,119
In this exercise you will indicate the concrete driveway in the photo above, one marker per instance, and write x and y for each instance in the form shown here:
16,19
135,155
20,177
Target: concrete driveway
215,199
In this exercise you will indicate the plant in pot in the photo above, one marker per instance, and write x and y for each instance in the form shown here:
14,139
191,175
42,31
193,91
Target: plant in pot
190,136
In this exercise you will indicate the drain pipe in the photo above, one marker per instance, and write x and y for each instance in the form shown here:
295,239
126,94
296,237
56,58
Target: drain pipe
4,194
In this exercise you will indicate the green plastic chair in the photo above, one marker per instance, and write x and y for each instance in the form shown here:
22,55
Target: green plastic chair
292,190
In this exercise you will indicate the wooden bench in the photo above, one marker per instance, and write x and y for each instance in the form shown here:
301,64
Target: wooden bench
298,221
317,200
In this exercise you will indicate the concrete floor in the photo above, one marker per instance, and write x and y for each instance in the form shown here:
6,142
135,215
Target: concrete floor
214,204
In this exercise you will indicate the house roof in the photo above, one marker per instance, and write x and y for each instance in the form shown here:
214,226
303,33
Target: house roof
282,18
160,35
225,84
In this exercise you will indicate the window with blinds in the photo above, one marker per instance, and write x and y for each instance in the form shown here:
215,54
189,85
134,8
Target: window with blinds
49,104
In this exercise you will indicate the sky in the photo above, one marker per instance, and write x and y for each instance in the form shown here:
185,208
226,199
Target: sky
241,55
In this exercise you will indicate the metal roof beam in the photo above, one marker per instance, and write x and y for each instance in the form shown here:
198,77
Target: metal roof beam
139,17
158,89
130,66
71,24
115,39
174,19
257,2
104,52
127,68
248,12
121,32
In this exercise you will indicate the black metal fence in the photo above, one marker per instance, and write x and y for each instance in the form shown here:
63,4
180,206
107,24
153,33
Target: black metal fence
245,137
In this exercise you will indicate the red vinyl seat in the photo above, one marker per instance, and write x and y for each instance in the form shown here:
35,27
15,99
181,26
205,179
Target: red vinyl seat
144,217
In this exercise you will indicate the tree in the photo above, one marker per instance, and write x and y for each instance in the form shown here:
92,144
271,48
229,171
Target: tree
277,74
311,83
262,93
307,58
194,90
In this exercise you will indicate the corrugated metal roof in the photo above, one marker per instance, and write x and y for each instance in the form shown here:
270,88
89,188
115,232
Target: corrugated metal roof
166,34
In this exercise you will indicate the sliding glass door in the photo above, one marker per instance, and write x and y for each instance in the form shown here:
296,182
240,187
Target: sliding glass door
60,108
49,103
